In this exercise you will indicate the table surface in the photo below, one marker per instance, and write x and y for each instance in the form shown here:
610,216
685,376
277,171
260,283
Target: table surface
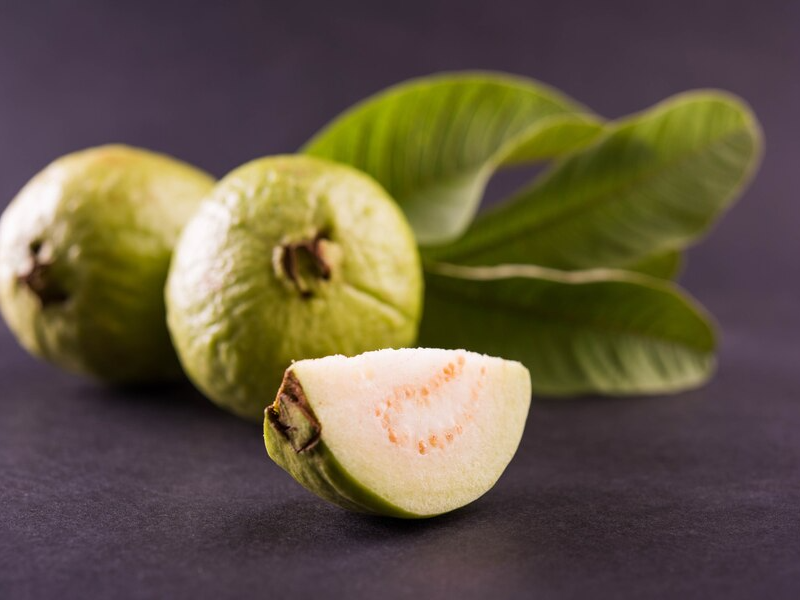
155,493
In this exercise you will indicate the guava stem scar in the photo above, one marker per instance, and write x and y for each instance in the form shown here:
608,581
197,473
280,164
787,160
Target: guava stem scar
290,263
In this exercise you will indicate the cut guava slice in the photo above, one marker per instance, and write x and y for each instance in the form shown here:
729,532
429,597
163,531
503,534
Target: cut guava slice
407,433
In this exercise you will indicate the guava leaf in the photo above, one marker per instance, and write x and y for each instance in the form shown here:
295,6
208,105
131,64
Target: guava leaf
667,265
602,330
652,184
434,142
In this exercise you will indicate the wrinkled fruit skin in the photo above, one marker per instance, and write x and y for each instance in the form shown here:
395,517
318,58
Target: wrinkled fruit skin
292,257
84,253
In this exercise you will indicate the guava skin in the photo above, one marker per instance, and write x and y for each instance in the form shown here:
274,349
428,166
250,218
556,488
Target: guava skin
290,257
84,253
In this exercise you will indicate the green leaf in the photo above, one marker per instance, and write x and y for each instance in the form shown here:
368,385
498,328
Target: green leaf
603,330
434,142
653,184
664,266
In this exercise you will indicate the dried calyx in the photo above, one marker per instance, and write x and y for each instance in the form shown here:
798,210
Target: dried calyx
37,275
302,262
292,416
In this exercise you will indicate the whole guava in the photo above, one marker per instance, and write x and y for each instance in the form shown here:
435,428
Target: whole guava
290,257
84,253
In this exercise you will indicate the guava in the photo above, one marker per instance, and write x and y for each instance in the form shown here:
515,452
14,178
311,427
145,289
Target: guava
290,257
84,253
406,433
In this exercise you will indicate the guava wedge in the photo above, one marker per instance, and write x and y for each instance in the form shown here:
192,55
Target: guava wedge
290,257
84,252
407,433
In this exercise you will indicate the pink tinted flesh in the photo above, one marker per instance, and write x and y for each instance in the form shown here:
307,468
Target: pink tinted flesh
405,399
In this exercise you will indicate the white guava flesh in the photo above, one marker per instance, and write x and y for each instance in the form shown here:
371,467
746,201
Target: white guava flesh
408,433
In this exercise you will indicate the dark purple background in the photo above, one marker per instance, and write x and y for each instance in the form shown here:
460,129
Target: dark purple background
157,494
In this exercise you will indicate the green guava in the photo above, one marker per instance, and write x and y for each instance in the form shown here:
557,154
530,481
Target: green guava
84,253
291,257
406,433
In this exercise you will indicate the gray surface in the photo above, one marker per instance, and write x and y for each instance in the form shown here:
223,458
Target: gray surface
155,493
